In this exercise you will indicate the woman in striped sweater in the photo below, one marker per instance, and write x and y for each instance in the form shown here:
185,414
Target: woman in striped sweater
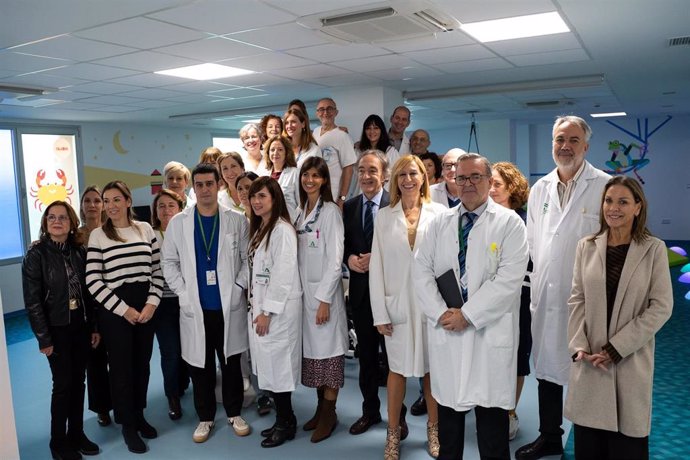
123,274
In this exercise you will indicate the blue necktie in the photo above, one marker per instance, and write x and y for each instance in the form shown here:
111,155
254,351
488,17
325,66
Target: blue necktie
369,223
463,248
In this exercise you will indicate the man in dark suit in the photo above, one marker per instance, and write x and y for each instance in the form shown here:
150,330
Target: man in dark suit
358,215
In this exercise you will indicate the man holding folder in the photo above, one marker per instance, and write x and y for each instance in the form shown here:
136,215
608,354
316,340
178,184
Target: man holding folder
473,338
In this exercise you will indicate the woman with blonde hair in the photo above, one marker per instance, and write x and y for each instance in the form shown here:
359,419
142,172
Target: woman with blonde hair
250,135
397,230
178,178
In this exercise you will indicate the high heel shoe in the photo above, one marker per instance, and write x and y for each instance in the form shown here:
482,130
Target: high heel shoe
392,449
432,437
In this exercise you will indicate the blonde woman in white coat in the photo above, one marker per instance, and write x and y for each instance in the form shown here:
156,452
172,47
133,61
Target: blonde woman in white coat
397,232
282,166
320,235
275,318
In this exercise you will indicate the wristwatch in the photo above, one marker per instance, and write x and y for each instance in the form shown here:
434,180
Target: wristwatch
342,197
267,313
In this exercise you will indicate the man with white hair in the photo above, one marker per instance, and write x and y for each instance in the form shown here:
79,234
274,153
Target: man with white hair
563,207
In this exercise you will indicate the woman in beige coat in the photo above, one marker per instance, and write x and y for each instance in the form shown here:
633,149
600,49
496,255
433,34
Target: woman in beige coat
621,297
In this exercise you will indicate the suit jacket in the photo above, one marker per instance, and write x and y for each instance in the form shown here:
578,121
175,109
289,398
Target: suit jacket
618,399
355,243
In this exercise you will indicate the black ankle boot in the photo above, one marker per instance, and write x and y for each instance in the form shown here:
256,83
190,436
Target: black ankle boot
268,432
62,450
282,432
145,428
174,408
132,439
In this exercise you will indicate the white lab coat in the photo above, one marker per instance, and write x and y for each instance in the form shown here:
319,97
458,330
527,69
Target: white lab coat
277,356
553,234
289,184
439,194
391,292
476,366
320,255
178,261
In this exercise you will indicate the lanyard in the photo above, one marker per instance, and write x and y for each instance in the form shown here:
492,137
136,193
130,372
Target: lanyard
307,228
207,246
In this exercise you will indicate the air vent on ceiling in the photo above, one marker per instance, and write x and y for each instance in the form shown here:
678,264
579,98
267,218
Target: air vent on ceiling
679,41
381,22
550,104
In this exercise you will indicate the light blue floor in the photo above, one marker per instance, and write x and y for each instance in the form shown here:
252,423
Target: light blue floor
31,385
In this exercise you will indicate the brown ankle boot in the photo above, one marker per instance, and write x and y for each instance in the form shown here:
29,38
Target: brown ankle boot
327,421
314,421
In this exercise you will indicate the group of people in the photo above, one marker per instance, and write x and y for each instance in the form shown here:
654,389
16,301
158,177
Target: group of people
462,284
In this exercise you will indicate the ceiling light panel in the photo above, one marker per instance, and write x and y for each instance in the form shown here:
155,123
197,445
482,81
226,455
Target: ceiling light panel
608,115
205,72
532,25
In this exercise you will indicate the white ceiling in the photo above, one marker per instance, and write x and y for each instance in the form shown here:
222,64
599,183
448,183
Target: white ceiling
100,55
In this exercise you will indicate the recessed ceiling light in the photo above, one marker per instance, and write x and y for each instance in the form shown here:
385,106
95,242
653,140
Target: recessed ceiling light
609,114
532,25
205,72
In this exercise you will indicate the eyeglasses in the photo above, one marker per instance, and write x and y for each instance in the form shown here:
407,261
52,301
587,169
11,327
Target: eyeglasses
447,166
473,178
325,109
52,218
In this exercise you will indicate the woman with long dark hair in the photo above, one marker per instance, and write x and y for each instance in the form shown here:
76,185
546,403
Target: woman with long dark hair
320,235
275,317
124,276
60,311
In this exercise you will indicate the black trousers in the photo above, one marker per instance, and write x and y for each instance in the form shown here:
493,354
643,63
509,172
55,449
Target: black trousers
593,443
129,350
550,410
369,341
167,326
71,346
98,384
204,379
283,402
492,433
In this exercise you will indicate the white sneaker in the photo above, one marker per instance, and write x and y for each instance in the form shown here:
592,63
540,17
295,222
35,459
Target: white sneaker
240,426
202,431
513,426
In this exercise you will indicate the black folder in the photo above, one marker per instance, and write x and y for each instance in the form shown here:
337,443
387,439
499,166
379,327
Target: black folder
449,289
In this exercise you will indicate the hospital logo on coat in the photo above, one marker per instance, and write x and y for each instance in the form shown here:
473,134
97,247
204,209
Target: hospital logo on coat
545,208
328,152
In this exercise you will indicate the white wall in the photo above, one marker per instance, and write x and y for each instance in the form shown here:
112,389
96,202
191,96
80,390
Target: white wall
493,136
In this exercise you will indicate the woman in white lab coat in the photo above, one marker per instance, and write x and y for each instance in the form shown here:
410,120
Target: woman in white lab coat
398,230
320,235
230,166
281,165
275,318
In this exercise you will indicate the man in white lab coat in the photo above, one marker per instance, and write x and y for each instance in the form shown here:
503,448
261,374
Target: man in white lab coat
400,120
473,346
446,192
202,255
563,207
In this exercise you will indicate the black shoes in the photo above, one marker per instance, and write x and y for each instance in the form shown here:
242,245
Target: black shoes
280,433
268,432
541,447
263,405
134,443
84,445
145,428
104,419
174,408
364,423
63,451
419,406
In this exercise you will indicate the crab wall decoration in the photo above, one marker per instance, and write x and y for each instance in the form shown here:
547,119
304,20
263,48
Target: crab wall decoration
46,192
